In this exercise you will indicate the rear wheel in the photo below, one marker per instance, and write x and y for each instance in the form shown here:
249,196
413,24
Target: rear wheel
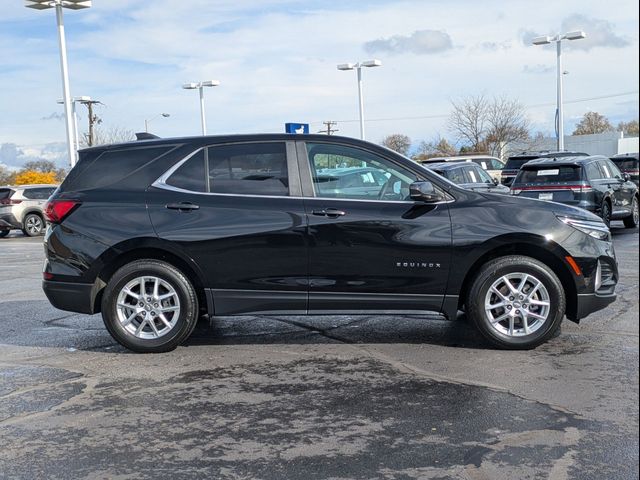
33,225
516,302
605,213
149,306
632,220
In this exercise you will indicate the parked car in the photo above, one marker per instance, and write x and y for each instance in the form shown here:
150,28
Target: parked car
468,175
154,233
21,208
492,165
594,183
514,162
628,163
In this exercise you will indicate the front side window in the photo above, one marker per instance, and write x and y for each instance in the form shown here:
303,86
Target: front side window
605,169
592,171
615,171
249,169
345,172
483,176
496,164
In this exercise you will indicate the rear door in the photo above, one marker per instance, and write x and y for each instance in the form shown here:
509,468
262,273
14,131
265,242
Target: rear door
623,191
236,210
386,253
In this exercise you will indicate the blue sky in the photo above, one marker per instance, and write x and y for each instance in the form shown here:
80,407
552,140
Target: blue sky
276,60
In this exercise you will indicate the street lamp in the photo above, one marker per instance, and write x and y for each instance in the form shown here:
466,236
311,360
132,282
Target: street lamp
545,40
200,86
358,66
146,122
66,96
76,141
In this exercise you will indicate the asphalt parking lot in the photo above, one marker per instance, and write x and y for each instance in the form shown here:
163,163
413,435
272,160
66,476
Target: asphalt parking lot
271,397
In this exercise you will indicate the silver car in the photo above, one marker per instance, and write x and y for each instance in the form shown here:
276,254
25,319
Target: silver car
21,208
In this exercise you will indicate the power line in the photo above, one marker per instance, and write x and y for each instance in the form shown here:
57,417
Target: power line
445,115
328,124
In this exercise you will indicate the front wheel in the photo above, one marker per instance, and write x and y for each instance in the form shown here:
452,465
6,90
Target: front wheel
149,306
516,302
632,220
605,213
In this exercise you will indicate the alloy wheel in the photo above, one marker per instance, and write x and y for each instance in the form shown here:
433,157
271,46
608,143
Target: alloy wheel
33,225
517,304
148,307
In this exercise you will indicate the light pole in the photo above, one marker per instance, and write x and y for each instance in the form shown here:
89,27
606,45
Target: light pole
146,122
545,40
358,67
66,96
76,140
200,86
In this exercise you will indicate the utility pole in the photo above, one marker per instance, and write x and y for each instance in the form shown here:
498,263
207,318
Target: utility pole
328,124
93,120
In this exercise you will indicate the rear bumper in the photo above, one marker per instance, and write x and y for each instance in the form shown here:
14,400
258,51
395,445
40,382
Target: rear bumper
72,297
9,221
589,303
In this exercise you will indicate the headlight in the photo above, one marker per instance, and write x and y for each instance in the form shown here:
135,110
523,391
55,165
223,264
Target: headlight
594,229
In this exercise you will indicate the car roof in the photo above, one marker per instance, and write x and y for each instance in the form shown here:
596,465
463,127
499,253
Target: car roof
456,158
447,165
549,154
33,185
574,161
625,155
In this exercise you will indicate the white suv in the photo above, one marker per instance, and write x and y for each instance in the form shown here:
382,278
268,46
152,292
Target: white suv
21,208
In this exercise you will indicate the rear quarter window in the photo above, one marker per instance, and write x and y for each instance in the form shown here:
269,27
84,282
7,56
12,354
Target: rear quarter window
5,193
550,174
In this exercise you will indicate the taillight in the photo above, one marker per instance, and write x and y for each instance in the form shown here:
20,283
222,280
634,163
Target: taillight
57,210
8,201
580,188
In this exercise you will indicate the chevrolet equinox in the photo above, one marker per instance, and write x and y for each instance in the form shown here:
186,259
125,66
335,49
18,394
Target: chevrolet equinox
157,232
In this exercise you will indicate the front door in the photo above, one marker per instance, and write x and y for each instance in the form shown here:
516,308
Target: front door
232,209
370,249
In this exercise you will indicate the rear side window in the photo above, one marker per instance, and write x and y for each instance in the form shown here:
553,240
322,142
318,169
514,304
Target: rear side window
456,176
96,170
550,174
38,193
5,193
252,168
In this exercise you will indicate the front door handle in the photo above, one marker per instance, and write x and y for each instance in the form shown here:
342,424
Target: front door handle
329,212
182,206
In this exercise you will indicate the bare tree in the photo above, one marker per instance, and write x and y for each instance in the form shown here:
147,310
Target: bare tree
468,121
488,125
438,147
109,136
593,122
630,128
397,142
7,177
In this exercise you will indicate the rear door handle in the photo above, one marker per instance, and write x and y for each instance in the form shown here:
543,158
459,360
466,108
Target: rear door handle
329,212
182,206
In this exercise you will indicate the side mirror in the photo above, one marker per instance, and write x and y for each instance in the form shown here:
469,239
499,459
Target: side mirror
425,192
495,181
626,177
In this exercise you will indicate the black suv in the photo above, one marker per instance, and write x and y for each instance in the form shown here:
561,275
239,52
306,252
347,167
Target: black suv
157,232
628,163
515,162
468,175
593,183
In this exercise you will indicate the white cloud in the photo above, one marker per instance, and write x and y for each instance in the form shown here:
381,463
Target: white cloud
420,42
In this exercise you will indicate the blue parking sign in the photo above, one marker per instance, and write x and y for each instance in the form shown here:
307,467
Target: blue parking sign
296,127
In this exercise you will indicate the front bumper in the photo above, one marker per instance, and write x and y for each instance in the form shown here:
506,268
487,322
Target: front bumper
72,297
589,303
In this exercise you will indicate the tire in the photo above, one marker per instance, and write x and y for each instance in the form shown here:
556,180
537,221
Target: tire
149,323
492,278
33,225
632,220
4,233
605,213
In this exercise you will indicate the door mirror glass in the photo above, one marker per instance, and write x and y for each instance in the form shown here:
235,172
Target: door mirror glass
626,177
425,192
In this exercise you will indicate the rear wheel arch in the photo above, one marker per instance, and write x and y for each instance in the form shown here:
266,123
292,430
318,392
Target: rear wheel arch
535,251
112,263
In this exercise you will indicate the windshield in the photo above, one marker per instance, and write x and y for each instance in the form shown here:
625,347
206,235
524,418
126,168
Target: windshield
550,174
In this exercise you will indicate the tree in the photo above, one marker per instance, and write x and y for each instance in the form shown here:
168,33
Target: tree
45,166
397,142
27,177
488,124
593,122
7,177
109,136
630,128
438,147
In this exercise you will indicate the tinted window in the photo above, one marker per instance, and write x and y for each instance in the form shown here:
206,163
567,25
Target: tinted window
345,172
592,170
190,175
606,170
615,171
101,168
5,193
38,193
484,176
496,164
252,168
456,176
514,163
626,164
550,174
